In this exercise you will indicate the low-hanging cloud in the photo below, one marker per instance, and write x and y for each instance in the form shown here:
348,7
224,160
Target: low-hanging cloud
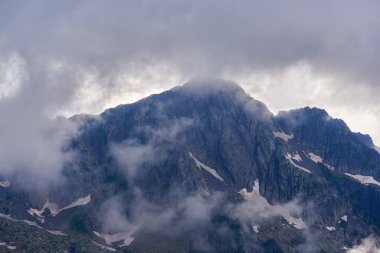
34,143
34,147
370,244
191,213
132,154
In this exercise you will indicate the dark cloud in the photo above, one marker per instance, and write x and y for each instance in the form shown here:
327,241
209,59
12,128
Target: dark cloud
198,37
82,56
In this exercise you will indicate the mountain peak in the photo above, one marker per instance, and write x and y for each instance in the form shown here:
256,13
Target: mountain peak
210,86
305,111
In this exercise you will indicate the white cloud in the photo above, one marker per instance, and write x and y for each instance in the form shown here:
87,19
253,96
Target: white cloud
368,245
132,154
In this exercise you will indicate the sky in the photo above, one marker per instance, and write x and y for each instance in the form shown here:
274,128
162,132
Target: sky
68,57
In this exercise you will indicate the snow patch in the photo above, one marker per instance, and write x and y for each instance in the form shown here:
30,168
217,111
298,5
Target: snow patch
8,246
285,137
255,197
291,159
255,228
7,216
80,202
315,158
39,214
296,222
53,208
34,224
297,157
56,232
329,166
5,183
103,246
31,223
126,237
366,180
330,228
200,165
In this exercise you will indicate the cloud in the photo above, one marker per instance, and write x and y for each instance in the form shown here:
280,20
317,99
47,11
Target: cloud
301,85
189,214
125,50
256,209
34,141
83,56
368,245
34,153
192,214
256,212
132,154
113,217
33,148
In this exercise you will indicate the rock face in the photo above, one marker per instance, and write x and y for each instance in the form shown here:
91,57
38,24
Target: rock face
206,168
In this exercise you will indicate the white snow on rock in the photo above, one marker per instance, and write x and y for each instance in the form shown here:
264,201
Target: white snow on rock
8,246
297,157
315,158
5,183
254,195
54,208
330,228
329,166
285,137
255,228
31,223
296,222
344,218
56,232
80,202
103,246
126,237
34,224
200,165
267,209
366,180
291,159
7,216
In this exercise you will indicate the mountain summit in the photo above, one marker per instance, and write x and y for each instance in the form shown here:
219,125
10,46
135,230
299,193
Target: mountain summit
204,167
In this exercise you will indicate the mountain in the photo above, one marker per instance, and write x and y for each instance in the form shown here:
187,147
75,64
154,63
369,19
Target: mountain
202,168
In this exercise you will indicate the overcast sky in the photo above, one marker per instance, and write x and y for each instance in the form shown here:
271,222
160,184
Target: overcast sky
65,57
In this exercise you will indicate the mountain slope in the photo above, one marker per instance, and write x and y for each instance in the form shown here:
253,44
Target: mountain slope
206,168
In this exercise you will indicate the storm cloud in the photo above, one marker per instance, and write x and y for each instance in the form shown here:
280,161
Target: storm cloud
67,57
